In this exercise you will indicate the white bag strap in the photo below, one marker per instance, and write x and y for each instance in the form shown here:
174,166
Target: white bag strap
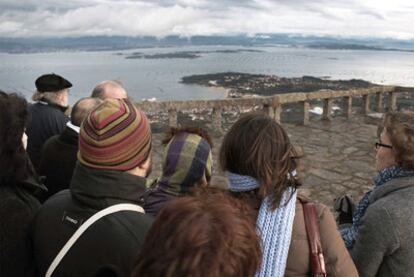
85,226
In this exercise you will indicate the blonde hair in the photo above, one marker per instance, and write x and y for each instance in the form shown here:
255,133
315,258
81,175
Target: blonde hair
399,127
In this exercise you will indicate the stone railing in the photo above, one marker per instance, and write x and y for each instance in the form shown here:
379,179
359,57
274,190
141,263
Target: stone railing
272,105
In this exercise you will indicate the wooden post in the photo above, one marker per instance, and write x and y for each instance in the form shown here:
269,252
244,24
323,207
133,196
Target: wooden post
305,112
172,117
278,112
378,102
327,108
268,109
365,104
392,101
348,106
217,119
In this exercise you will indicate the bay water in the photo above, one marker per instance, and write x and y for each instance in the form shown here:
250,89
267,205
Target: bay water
160,79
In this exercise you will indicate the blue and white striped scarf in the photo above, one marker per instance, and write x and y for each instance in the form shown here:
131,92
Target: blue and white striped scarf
349,234
274,227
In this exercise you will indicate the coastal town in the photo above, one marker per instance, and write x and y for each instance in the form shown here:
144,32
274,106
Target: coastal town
244,84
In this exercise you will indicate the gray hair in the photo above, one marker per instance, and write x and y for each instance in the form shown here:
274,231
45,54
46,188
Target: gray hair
52,97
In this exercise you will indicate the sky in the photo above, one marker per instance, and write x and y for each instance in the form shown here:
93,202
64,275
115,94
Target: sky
71,18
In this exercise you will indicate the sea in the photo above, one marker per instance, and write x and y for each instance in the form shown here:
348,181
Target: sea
160,79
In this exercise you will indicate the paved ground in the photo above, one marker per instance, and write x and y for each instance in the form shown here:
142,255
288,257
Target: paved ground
339,157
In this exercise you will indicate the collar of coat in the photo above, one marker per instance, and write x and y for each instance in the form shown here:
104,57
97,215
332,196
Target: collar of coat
392,186
100,188
69,136
44,101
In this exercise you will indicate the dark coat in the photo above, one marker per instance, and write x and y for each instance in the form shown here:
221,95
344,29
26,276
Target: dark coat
114,240
18,206
46,121
385,241
58,160
155,200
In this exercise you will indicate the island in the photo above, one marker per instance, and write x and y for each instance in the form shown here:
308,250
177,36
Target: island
174,55
243,84
185,54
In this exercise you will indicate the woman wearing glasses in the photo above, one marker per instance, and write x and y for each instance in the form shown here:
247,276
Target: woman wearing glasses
381,239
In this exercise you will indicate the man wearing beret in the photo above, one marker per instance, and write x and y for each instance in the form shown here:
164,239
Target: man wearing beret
47,114
114,159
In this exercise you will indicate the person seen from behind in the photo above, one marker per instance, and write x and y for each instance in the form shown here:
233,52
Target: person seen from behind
47,114
19,188
209,234
260,163
109,89
187,163
59,153
114,160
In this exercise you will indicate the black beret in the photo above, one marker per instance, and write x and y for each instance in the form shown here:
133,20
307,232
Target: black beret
51,83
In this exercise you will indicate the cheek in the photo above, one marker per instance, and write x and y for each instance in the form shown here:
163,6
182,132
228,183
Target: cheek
24,140
384,159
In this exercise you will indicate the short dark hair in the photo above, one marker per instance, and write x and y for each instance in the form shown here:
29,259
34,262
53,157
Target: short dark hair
257,146
82,108
399,126
208,234
14,162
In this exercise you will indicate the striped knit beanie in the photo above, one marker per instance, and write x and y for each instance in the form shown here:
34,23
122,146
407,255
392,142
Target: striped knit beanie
187,159
114,136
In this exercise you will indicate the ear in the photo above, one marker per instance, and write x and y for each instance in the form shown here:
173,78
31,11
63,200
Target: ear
143,169
145,166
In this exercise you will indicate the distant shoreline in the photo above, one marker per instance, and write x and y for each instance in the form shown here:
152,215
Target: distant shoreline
245,84
35,48
185,54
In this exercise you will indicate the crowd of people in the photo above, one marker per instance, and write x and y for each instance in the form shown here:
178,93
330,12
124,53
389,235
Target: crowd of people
76,200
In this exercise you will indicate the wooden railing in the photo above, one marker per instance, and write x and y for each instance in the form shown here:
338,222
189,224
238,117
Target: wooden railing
272,105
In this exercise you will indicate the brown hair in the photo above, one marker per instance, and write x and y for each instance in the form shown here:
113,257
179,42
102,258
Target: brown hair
257,146
400,129
14,162
172,131
207,234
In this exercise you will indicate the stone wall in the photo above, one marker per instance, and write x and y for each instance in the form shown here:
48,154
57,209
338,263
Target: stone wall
273,105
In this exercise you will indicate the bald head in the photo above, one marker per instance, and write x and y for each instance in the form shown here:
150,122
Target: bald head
109,89
82,108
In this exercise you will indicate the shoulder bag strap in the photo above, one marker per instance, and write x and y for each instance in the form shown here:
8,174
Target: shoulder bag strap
85,226
312,229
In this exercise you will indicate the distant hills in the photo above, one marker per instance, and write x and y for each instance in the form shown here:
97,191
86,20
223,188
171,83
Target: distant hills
107,43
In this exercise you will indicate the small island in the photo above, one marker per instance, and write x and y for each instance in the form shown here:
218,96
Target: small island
242,84
174,55
185,54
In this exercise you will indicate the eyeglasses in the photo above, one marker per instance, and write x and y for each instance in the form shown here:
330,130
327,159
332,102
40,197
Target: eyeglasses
379,144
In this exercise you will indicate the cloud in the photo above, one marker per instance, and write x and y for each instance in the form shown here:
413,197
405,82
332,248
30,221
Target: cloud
379,18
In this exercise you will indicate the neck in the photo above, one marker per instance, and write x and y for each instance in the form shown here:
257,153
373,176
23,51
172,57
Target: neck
137,171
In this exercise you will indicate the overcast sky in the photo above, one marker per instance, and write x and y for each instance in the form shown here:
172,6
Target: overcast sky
349,18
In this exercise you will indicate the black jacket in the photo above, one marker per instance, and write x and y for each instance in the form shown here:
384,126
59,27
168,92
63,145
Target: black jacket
155,200
46,121
114,240
58,160
18,206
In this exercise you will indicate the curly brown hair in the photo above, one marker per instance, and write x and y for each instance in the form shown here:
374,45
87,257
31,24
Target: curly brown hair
399,126
258,146
207,234
14,162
